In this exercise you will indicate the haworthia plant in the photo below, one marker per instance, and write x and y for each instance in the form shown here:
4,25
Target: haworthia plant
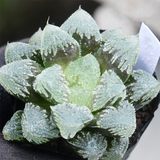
78,84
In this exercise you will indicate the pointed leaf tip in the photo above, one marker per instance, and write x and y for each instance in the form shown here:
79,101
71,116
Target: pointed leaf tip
70,118
58,47
114,119
52,86
109,90
84,29
12,131
119,54
142,88
37,126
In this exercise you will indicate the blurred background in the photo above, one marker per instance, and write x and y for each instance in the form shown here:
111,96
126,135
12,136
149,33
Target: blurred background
21,18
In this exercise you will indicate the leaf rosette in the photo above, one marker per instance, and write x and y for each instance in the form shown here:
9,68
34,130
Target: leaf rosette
78,84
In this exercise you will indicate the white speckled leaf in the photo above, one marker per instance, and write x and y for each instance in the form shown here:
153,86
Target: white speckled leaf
37,126
58,46
119,54
109,90
120,121
71,118
142,88
89,145
84,29
117,149
17,51
111,34
83,76
17,79
12,130
36,38
51,85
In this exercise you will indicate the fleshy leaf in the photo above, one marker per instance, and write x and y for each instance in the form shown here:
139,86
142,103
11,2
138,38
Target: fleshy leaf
71,118
109,90
37,126
51,85
89,145
117,150
142,88
119,121
17,78
58,46
84,29
83,76
119,54
17,51
111,34
12,131
36,38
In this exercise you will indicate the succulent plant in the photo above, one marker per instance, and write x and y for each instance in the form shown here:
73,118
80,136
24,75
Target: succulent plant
78,84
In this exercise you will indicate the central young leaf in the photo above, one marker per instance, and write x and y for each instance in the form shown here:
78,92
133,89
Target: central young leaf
83,76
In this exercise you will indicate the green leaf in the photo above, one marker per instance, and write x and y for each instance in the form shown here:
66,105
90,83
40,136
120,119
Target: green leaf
51,85
84,29
12,131
89,145
71,118
117,150
83,76
17,78
111,34
119,54
142,88
58,46
36,38
109,90
37,126
119,121
17,51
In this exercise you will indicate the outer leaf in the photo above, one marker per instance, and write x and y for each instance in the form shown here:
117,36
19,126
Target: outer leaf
58,46
119,121
71,118
88,145
83,76
17,78
142,88
51,85
117,150
12,131
110,89
111,34
84,29
17,51
36,38
37,126
119,54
